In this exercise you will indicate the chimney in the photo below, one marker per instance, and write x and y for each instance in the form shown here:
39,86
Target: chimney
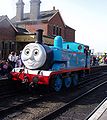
53,7
19,10
34,9
39,36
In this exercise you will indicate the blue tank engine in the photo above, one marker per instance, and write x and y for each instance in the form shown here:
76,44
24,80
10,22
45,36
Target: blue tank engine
59,65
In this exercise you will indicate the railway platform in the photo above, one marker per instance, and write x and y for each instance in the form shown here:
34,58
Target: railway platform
100,112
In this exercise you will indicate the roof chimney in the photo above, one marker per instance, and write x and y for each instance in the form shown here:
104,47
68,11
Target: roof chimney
34,9
53,7
19,10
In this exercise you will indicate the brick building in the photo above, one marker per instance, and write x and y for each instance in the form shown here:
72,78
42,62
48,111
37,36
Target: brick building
50,21
7,36
14,39
19,31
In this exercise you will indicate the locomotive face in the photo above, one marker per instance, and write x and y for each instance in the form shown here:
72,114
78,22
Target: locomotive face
33,56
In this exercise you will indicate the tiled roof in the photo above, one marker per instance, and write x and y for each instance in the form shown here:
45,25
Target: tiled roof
21,31
44,16
3,17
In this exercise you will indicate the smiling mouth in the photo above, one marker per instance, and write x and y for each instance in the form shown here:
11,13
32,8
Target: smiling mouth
30,62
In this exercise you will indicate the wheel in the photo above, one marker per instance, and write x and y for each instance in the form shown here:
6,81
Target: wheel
57,83
75,79
67,82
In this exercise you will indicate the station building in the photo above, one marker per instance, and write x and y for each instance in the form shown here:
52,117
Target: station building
7,36
50,21
14,39
21,29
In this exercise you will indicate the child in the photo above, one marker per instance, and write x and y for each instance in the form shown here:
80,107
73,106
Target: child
4,68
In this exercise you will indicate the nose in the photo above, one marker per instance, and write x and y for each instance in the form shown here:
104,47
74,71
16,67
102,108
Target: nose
31,57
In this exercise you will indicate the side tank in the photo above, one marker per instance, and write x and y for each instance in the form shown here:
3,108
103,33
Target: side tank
69,55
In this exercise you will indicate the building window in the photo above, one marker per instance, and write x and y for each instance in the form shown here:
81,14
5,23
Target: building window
53,30
10,46
6,46
57,33
60,31
13,46
3,46
57,30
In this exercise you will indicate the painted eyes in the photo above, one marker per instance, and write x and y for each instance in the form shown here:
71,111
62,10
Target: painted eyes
35,52
27,51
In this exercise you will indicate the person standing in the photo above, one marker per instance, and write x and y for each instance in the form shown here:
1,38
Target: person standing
12,58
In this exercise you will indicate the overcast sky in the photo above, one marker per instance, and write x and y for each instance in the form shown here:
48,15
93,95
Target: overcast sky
87,17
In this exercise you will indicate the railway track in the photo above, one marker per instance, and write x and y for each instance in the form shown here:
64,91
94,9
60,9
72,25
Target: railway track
45,105
70,104
84,106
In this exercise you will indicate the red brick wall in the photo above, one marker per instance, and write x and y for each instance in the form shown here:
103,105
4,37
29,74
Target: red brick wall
34,27
69,34
48,26
58,22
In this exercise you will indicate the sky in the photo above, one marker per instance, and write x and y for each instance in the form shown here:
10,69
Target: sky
87,17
